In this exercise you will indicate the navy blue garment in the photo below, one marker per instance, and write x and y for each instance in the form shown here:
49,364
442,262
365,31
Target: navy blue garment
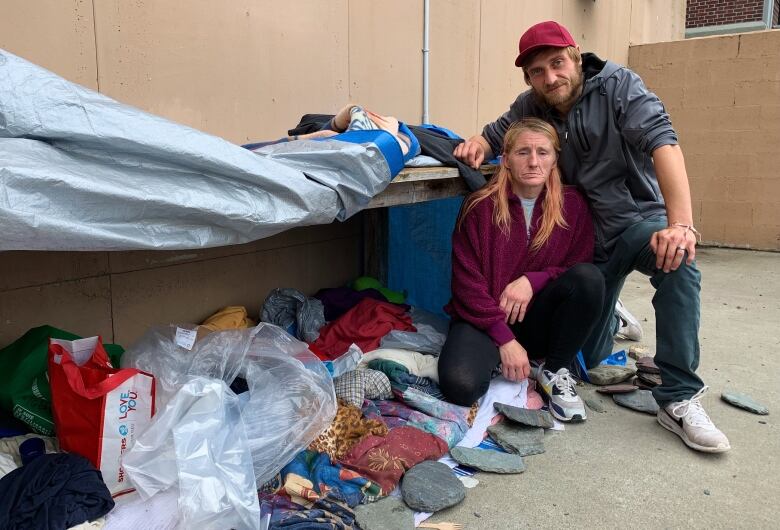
54,491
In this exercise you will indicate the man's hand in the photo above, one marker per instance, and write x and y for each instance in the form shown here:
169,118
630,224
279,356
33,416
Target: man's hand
473,151
671,245
515,298
514,361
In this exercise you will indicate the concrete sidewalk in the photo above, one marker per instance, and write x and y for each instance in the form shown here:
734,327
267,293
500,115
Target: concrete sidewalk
621,469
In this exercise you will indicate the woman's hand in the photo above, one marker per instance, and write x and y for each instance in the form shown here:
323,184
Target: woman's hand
515,298
514,361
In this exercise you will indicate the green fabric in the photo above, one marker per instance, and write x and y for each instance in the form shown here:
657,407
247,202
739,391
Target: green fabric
367,282
393,370
24,384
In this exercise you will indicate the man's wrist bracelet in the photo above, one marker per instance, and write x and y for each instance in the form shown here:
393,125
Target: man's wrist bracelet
688,228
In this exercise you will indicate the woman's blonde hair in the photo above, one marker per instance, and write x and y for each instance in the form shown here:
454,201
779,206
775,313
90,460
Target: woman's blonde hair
499,187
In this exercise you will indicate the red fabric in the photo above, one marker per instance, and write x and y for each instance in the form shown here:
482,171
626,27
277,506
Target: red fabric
365,325
384,459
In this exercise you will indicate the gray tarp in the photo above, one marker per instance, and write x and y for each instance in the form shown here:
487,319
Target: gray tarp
80,171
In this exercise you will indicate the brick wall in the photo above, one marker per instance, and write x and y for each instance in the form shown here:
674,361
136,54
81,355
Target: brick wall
700,13
723,94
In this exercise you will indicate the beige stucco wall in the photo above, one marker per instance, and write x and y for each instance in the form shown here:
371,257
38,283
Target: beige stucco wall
247,70
723,94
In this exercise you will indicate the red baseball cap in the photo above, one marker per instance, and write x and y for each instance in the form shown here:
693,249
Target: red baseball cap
543,34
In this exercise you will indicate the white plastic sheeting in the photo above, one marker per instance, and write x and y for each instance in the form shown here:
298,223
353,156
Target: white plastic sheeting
80,171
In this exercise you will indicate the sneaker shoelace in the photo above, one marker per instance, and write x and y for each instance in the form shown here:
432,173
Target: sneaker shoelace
564,383
693,409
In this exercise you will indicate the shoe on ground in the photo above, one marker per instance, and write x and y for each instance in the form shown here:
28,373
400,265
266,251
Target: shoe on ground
688,420
630,328
558,387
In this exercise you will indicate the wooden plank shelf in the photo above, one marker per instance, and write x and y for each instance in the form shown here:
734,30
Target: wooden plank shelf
413,185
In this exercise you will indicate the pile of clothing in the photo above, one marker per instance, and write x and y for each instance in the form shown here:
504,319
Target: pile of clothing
320,405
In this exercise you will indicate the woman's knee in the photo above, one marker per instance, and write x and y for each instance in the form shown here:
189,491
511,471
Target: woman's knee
588,283
462,389
464,363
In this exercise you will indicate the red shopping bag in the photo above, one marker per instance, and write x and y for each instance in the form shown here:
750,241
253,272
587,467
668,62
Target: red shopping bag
98,410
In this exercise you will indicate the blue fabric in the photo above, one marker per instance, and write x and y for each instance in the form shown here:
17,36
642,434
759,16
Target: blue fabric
385,141
617,359
419,254
327,513
441,130
324,475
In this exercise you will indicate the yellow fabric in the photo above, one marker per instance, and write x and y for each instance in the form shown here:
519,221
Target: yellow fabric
231,317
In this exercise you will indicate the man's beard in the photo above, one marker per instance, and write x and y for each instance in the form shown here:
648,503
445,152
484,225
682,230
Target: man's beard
571,95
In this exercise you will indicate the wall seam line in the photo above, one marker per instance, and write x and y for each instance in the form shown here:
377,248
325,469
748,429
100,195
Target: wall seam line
97,62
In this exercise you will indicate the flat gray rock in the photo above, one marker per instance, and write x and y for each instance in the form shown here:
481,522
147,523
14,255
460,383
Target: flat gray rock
518,439
744,401
593,403
389,513
431,486
607,374
617,389
641,400
532,418
488,460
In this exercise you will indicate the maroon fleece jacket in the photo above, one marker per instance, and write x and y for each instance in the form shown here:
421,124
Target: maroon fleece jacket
485,261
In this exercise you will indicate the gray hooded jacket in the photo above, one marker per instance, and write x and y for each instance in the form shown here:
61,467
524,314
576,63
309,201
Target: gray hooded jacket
607,141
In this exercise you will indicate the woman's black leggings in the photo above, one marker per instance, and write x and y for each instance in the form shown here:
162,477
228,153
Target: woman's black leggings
556,325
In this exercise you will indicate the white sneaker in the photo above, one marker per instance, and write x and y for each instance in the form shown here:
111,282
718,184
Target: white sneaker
565,404
630,328
688,420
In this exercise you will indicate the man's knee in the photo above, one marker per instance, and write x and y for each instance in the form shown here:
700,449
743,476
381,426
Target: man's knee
684,275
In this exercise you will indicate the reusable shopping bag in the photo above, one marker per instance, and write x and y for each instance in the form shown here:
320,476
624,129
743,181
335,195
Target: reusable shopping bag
98,410
24,382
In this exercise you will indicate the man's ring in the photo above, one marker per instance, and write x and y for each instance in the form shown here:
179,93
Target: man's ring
680,249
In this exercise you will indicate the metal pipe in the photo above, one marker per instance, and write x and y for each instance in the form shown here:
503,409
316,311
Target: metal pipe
425,50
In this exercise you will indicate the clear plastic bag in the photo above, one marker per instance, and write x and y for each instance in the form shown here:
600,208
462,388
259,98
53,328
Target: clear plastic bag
219,355
215,447
198,443
291,399
345,362
429,337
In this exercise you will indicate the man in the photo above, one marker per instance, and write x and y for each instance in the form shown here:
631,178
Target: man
619,148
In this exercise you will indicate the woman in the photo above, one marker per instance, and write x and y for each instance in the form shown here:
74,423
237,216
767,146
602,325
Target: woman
522,282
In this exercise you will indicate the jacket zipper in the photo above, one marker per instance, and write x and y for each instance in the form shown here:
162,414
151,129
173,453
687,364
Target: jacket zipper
580,128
